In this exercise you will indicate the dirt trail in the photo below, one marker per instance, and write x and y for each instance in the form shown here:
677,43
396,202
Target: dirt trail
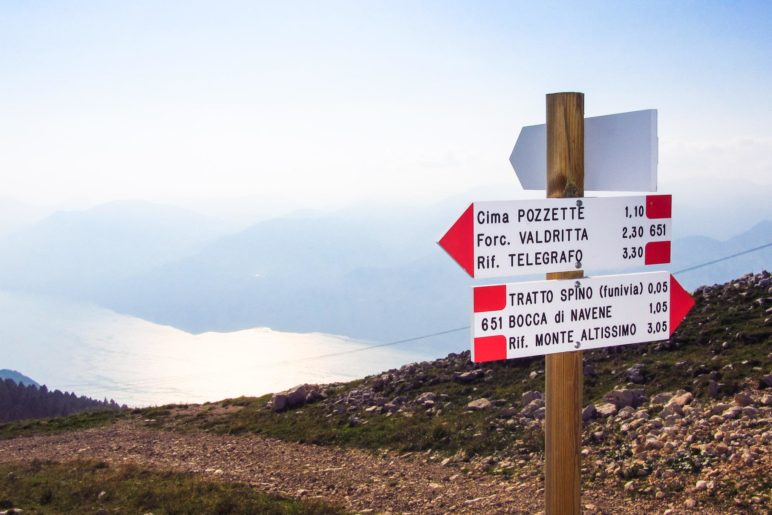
356,480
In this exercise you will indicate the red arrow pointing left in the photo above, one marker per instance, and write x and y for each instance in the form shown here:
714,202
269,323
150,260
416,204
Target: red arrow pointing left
458,240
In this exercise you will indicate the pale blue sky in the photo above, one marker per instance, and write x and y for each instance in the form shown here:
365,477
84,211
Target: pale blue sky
335,102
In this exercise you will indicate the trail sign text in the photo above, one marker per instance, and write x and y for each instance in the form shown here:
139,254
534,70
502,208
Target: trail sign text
496,239
544,317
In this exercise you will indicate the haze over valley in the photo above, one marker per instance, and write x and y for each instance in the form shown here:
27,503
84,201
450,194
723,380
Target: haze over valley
128,292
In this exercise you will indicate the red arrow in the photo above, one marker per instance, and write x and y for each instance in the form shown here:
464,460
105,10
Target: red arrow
458,240
680,304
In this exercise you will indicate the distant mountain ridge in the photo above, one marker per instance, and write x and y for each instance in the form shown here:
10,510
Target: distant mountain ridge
78,254
697,250
17,377
369,273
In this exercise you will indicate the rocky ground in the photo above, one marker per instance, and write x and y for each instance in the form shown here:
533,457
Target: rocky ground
680,451
643,454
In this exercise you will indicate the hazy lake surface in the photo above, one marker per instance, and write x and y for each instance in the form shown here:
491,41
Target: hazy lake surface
95,352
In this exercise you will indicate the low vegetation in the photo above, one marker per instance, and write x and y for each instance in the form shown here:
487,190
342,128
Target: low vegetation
75,422
97,487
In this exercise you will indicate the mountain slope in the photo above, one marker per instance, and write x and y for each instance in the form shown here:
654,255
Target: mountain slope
336,277
79,254
17,377
325,274
696,250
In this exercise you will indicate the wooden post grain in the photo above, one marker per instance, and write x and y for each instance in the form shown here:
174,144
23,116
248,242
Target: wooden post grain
563,371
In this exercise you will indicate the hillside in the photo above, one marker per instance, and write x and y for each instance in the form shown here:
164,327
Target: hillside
81,254
16,376
335,275
681,424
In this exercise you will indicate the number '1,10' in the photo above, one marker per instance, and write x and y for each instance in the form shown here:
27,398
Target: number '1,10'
633,211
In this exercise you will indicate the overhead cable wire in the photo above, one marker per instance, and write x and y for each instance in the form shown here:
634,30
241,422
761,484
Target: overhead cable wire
725,258
416,338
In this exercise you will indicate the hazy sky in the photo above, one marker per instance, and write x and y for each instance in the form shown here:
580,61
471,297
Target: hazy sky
334,102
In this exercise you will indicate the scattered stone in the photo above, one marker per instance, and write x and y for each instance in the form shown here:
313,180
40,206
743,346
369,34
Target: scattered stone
469,377
588,413
606,409
653,443
750,412
279,402
713,388
528,396
623,397
661,398
532,407
507,413
295,397
479,404
743,399
635,374
426,396
766,380
681,400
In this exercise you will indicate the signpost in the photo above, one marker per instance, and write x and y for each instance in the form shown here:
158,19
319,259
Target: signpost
619,149
496,239
544,317
563,372
562,235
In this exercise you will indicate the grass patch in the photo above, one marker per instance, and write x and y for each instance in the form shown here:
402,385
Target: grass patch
83,420
86,487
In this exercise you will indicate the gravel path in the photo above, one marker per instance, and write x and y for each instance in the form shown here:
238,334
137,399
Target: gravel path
359,481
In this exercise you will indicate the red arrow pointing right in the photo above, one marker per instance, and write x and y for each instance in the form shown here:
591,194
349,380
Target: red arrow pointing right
458,240
680,304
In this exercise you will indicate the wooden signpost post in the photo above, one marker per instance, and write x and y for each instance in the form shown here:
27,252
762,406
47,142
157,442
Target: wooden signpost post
515,320
563,373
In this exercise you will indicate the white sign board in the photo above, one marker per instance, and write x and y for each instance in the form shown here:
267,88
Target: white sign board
517,237
620,153
544,317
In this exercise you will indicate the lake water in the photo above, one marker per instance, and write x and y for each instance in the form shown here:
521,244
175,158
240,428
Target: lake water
96,352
